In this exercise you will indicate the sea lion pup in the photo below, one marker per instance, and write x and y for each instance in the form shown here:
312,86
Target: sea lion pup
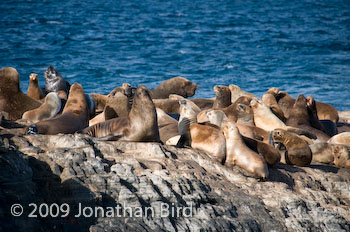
168,128
223,97
341,156
33,90
298,151
238,153
176,85
270,100
342,138
322,153
270,154
12,100
237,92
74,117
49,109
54,81
199,136
299,118
327,126
139,126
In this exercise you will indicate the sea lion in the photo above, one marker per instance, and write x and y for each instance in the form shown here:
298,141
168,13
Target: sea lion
299,118
168,128
118,105
327,112
322,153
342,138
91,105
100,101
298,152
236,110
284,100
199,136
175,85
237,92
270,100
341,156
33,90
74,117
49,109
223,97
270,154
139,126
12,100
238,153
54,82
97,119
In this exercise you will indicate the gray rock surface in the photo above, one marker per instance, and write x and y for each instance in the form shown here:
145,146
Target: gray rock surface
77,169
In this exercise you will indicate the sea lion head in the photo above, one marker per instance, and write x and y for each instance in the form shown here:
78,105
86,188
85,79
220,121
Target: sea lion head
256,103
221,90
9,80
228,127
278,135
186,111
33,77
216,117
243,110
51,74
187,88
274,91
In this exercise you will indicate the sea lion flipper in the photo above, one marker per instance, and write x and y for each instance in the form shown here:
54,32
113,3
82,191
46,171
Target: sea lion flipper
184,132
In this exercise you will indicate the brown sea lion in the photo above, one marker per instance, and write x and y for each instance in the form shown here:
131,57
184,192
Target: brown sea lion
175,85
299,118
168,128
199,136
298,152
270,154
139,126
223,97
238,153
237,92
12,100
54,82
270,100
341,156
236,110
47,110
34,90
100,101
117,105
74,117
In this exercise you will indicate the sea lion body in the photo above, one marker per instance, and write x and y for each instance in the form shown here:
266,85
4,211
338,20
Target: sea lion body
140,125
223,97
175,85
342,138
237,92
47,110
12,100
238,153
298,152
74,117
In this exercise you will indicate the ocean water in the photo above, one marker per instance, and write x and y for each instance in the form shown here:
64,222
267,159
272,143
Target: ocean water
302,47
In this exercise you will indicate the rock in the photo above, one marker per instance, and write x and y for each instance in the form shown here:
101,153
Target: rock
153,187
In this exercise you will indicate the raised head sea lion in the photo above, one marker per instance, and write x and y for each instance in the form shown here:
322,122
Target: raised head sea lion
139,126
223,97
238,153
237,110
74,117
199,136
175,85
12,100
34,90
237,92
47,110
298,152
54,81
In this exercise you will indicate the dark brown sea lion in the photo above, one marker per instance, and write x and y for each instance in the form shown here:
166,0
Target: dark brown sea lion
223,97
54,81
140,125
270,100
298,152
34,90
175,85
12,100
74,117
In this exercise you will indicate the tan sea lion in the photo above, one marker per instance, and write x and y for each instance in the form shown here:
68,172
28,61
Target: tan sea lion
270,100
237,92
270,154
139,126
298,152
12,100
97,119
322,153
341,156
284,100
238,153
223,97
74,117
236,111
49,109
168,128
199,136
342,138
34,90
175,85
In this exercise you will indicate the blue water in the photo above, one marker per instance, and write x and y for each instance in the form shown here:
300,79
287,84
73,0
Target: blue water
301,47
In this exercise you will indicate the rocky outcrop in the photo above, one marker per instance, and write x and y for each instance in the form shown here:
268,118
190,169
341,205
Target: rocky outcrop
143,179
